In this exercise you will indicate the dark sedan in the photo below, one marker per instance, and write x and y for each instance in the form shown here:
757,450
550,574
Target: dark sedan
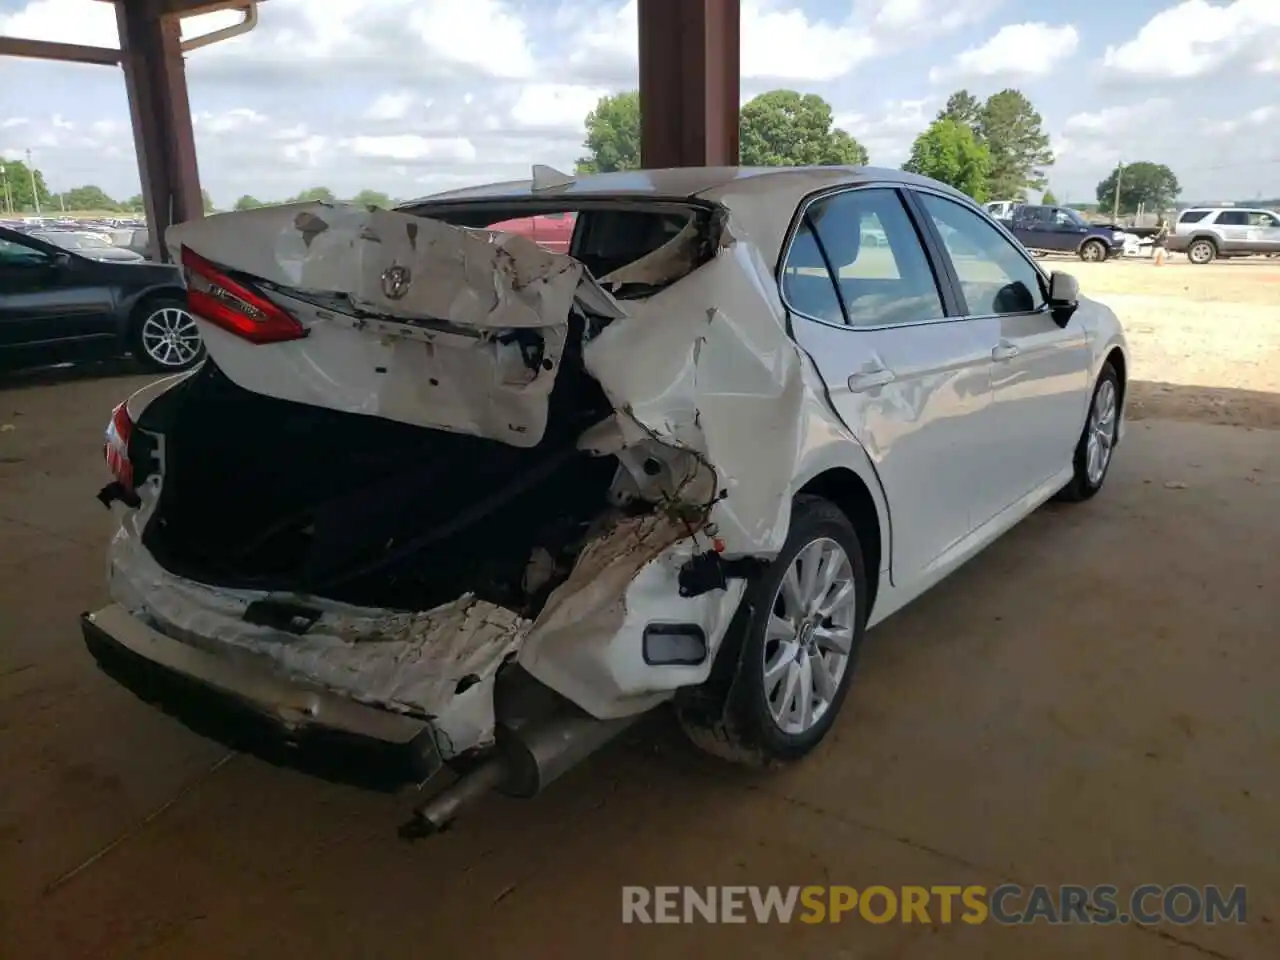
58,305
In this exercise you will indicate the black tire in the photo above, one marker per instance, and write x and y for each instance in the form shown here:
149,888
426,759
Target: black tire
1093,251
152,308
1202,250
1081,487
729,716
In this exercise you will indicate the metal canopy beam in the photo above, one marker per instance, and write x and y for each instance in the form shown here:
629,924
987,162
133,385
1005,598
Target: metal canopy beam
156,81
689,82
66,52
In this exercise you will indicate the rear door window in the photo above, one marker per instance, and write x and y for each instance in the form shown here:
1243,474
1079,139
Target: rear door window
876,258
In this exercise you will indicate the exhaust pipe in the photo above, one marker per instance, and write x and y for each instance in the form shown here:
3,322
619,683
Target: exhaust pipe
528,759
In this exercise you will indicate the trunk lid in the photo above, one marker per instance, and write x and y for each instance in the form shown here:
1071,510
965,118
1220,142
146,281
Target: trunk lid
387,314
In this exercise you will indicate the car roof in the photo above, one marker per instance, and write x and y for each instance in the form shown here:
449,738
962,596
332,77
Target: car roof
763,199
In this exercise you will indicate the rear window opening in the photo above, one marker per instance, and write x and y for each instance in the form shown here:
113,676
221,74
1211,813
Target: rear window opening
604,236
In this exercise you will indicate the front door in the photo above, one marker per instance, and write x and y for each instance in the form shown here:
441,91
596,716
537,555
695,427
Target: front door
49,297
1040,373
1264,231
909,380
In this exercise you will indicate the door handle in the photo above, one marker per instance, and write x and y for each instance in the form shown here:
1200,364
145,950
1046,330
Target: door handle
869,379
1004,351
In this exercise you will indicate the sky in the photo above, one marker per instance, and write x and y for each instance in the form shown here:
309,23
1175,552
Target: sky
413,96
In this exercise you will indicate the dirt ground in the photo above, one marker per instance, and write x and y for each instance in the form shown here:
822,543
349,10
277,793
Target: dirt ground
1205,340
1093,700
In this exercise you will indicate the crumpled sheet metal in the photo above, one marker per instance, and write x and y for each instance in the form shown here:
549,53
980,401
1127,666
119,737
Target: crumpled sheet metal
407,662
479,279
705,365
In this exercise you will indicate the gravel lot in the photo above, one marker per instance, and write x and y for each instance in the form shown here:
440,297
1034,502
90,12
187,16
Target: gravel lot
1205,340
1093,700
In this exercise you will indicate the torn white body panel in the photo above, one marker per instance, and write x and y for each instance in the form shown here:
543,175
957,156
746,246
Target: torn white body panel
705,383
405,662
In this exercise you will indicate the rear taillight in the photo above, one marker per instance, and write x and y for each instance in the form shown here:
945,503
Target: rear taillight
234,306
119,432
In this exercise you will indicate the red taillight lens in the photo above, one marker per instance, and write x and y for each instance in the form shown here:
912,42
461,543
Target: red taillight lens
119,430
213,296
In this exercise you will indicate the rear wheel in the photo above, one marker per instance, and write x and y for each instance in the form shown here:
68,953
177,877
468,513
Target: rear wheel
165,335
793,647
1202,251
1093,251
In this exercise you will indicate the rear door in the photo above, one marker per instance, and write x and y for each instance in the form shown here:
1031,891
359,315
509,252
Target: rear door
908,376
47,296
1040,375
1233,226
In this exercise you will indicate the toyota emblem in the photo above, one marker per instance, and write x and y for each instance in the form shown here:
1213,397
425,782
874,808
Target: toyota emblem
395,282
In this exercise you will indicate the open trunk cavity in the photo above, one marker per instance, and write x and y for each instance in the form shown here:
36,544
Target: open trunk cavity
271,494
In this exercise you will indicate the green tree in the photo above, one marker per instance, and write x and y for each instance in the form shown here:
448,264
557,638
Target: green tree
134,204
247,203
19,178
315,195
965,109
1048,199
372,198
783,128
88,197
1152,185
1011,129
207,201
949,151
613,134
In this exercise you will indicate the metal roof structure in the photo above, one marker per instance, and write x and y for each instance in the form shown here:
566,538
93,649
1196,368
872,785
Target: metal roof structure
689,83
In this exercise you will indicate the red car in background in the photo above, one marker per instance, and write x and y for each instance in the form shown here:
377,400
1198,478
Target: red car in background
551,230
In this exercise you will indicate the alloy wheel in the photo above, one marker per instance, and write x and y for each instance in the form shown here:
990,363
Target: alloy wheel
809,636
170,337
1102,433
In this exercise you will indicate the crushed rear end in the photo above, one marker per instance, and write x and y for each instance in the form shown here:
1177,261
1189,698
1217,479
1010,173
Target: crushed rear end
427,469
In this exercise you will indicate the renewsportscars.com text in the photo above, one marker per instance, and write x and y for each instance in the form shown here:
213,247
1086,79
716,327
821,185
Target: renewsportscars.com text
1007,904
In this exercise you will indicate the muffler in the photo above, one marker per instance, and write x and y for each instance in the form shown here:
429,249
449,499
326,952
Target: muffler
528,758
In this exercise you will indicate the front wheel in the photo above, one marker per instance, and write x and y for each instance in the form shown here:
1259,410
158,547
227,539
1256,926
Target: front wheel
793,646
1101,429
166,337
1093,251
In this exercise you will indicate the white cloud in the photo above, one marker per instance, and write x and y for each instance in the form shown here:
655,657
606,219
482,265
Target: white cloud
10,122
238,118
1018,51
409,147
888,134
1195,38
781,41
390,106
555,106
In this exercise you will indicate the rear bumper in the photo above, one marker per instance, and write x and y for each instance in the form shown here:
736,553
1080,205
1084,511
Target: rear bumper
251,708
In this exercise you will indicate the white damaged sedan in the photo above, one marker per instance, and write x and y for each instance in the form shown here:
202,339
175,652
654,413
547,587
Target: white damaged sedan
444,493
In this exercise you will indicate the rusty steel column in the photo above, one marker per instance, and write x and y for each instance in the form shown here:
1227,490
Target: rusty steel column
156,81
689,82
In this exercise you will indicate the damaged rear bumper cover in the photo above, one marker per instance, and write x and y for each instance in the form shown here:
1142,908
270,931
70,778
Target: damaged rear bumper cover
248,706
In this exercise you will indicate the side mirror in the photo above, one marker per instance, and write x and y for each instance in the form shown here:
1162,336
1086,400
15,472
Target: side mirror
1064,296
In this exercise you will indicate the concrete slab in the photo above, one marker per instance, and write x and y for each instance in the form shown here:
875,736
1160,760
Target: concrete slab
1091,701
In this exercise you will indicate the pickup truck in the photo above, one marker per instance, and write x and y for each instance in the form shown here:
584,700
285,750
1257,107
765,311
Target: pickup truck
1045,229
